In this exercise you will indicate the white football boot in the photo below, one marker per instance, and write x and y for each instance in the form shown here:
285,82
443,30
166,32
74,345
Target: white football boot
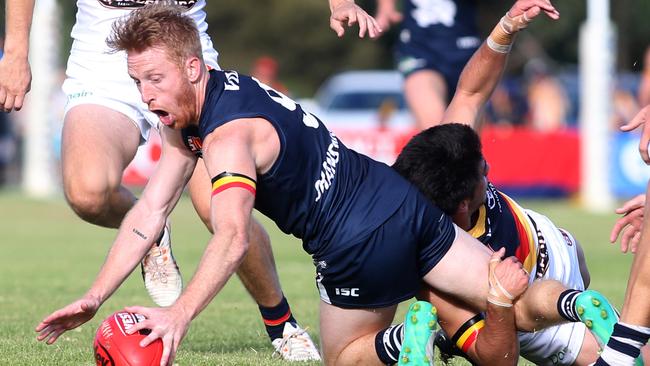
160,273
295,345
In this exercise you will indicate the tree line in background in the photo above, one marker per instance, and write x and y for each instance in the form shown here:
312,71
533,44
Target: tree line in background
296,33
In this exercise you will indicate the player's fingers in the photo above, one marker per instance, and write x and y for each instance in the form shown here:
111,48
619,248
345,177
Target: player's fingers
57,316
637,121
643,146
45,332
619,225
625,239
55,335
352,18
168,344
548,9
138,310
138,327
375,30
172,353
634,243
363,26
532,12
337,27
150,338
9,103
42,325
3,96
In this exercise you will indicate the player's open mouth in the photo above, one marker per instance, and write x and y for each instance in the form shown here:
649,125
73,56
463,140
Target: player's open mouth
164,117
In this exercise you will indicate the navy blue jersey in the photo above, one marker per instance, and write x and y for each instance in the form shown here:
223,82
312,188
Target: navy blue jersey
318,189
441,21
503,223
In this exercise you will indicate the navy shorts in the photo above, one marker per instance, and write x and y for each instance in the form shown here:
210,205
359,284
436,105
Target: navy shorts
447,56
386,267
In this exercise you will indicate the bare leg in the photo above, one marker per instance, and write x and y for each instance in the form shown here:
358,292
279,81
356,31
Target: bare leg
426,94
98,143
257,272
535,309
348,335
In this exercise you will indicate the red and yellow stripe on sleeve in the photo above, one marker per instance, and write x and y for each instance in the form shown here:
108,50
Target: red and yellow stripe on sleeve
227,180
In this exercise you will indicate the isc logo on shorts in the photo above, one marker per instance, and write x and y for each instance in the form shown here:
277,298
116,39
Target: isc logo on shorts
346,291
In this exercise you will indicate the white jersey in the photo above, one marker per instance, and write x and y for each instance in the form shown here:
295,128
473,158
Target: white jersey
95,18
95,75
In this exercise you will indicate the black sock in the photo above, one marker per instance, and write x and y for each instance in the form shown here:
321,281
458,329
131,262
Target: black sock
388,343
566,305
275,317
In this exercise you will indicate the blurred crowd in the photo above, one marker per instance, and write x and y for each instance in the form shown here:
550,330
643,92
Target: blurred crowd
543,98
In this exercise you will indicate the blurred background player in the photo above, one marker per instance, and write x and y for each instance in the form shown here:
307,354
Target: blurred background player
548,103
266,69
436,40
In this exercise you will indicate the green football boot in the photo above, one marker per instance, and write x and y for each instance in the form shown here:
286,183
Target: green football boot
599,316
419,324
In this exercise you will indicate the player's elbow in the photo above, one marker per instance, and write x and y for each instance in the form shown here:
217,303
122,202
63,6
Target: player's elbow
239,243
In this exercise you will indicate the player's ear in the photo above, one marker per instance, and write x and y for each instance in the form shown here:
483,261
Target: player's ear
463,207
193,68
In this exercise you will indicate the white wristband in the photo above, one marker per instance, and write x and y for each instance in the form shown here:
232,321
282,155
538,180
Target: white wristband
499,303
496,47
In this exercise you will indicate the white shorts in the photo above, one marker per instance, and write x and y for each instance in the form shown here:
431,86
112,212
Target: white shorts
558,345
102,79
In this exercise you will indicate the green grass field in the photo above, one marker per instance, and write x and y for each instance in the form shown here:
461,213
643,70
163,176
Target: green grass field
48,258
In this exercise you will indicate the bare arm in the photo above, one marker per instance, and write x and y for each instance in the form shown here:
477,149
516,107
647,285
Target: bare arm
496,340
230,215
145,221
138,231
227,149
483,71
15,74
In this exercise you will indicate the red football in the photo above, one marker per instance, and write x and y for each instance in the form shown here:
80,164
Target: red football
114,347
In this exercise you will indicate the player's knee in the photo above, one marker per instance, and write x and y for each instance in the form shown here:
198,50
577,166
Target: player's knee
346,356
89,204
525,320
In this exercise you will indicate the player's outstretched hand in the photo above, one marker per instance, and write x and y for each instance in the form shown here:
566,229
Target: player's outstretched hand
66,318
629,224
347,13
387,15
15,82
509,273
168,324
638,120
531,8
